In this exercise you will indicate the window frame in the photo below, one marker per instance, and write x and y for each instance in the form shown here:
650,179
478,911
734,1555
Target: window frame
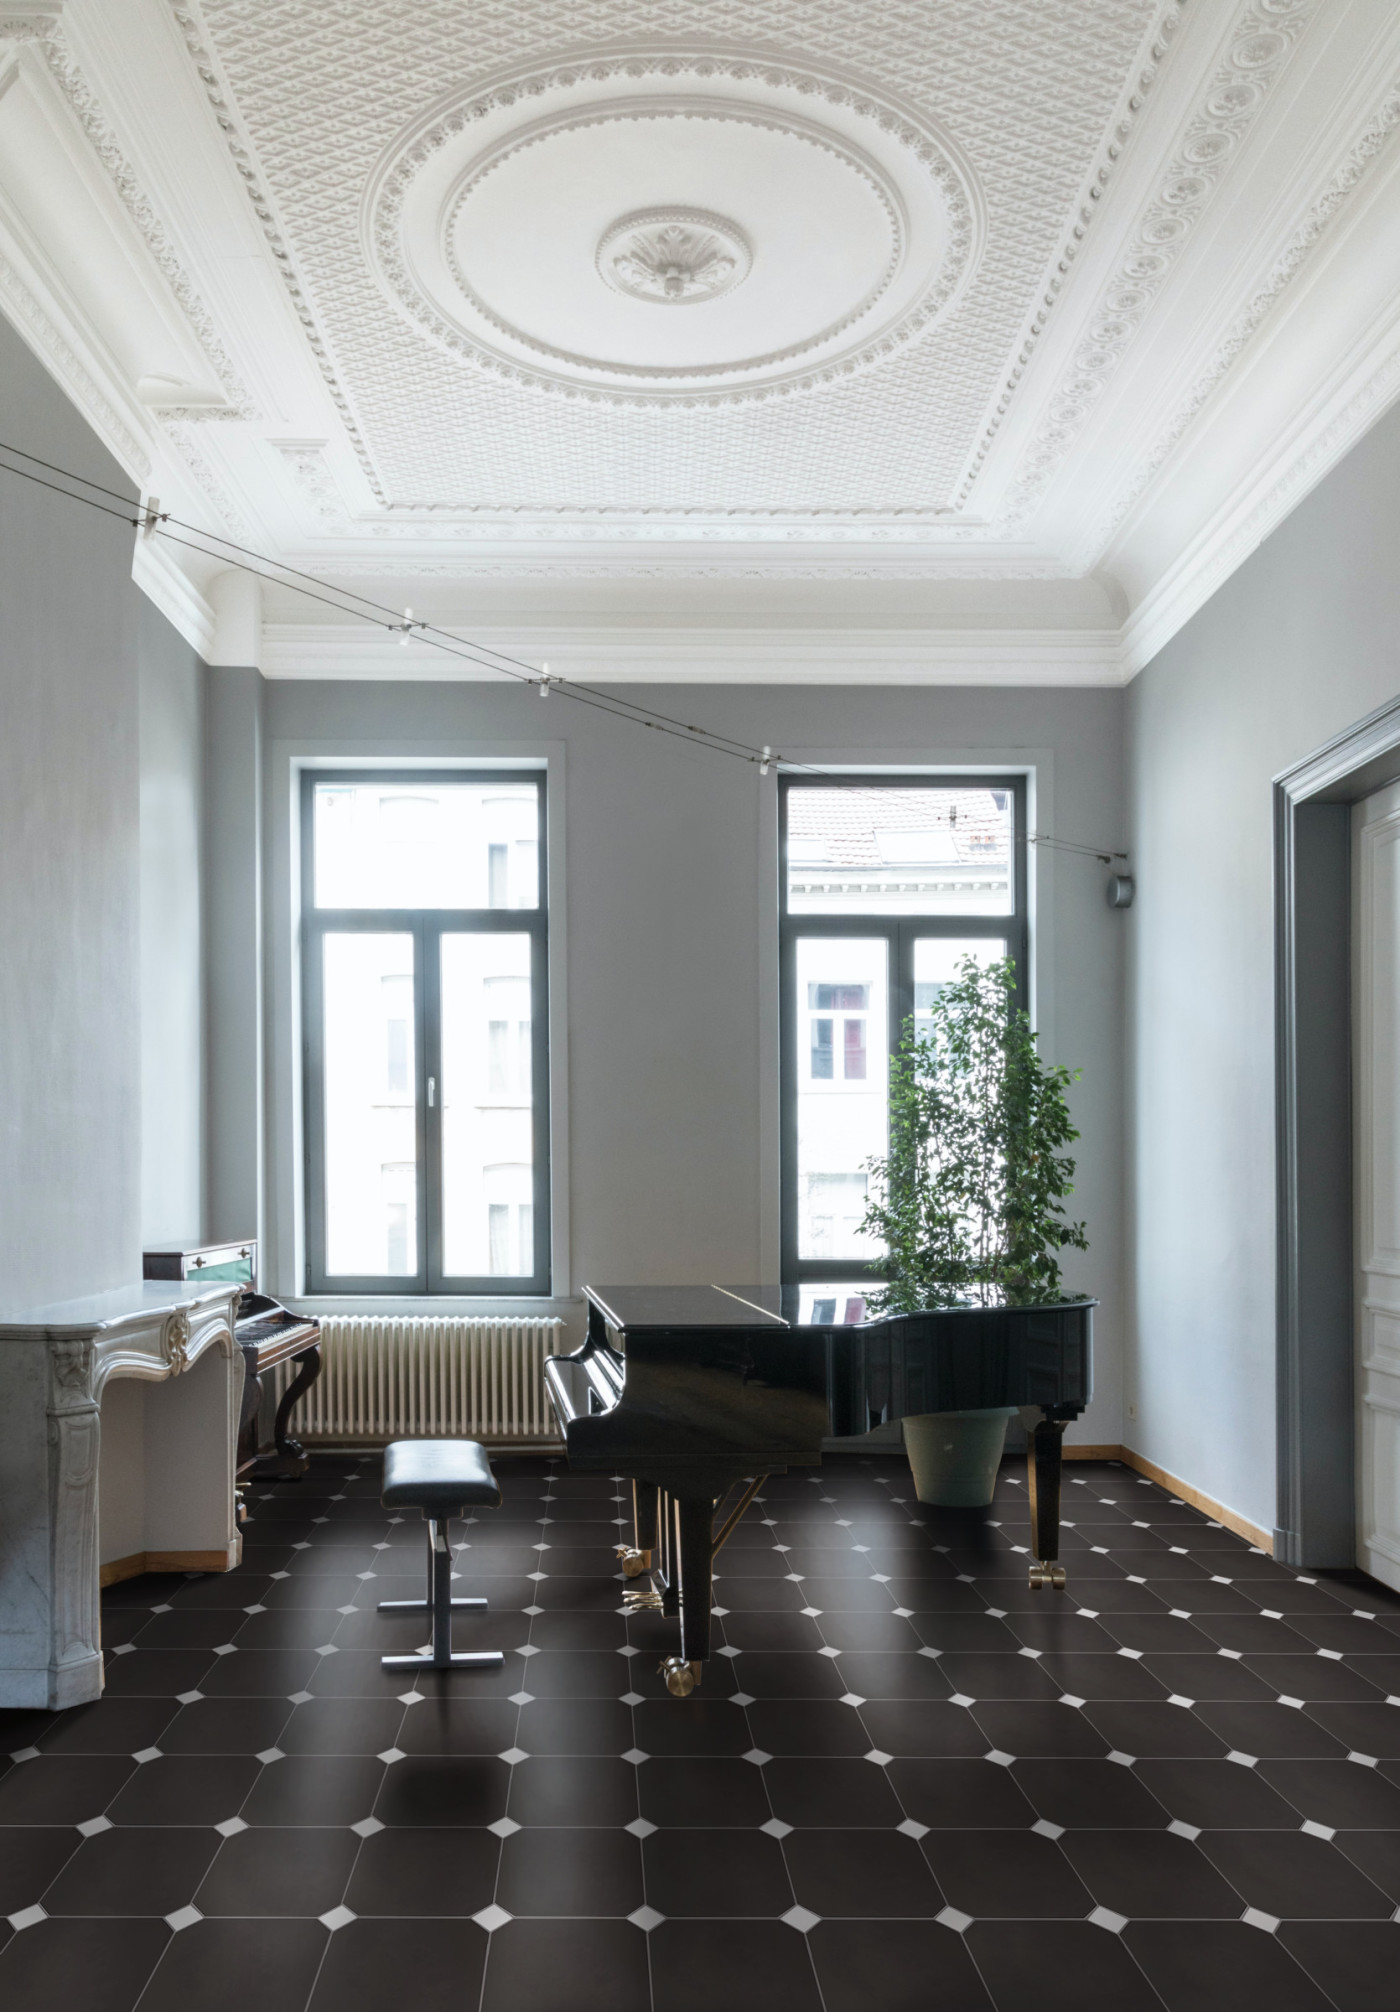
899,933
427,927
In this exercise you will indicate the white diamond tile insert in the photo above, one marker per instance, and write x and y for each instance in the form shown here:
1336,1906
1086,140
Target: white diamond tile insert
639,1827
1190,1831
1363,1760
532,1610
1000,1759
1068,1698
1121,1759
1181,1613
629,1651
124,1649
338,1917
853,1699
522,1697
368,1826
527,1649
1256,1918
1133,1655
933,1653
536,1576
94,1826
1104,1917
1232,1655
1177,1699
504,1826
1271,1613
491,1918
1034,1654
1242,1759
164,1607
631,1698
231,1826
812,1613
903,1613
147,1754
800,1918
879,1757
188,1697
735,1652
645,1918
954,1918
1318,1830
775,1827
25,1754
826,1652
996,1613
740,1698
1044,1828
1136,1579
183,1917
328,1649
755,1754
271,1754
299,1697
514,1755
911,1829
28,1917
1297,1704
411,1698
226,1649
719,1612
1331,1655
390,1755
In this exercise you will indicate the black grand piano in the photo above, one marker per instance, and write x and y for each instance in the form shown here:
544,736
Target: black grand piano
691,1392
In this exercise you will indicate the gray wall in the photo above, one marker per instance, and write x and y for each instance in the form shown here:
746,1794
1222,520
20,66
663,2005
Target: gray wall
1301,642
668,874
86,666
171,690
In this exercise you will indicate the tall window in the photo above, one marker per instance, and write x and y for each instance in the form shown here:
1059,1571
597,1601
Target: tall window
886,886
423,995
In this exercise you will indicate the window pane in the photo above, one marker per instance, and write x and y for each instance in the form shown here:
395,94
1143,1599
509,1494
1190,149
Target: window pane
936,961
426,845
854,851
841,1089
371,1150
488,1174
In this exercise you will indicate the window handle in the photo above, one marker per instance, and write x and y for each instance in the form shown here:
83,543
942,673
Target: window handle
432,1091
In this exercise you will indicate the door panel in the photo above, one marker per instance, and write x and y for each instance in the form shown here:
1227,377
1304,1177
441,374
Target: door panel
1376,1118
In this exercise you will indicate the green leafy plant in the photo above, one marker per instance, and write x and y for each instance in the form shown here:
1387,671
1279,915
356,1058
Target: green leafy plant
969,1195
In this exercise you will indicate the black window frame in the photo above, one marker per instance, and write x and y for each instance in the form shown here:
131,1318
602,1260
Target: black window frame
899,932
427,926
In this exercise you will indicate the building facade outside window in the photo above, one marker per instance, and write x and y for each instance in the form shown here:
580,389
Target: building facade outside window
886,885
424,997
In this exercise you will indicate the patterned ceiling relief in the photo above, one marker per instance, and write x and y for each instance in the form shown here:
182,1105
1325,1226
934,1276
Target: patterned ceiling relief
706,264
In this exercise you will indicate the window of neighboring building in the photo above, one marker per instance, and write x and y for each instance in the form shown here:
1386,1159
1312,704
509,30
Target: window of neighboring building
886,885
424,936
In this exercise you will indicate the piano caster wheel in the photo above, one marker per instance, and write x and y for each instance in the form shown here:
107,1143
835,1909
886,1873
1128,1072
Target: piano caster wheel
681,1676
642,1600
1048,1575
633,1562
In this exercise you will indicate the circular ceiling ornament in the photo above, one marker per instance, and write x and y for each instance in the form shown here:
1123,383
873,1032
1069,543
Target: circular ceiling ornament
677,257
810,227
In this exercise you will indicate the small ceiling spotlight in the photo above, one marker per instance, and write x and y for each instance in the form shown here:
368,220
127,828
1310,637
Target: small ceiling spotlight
1120,890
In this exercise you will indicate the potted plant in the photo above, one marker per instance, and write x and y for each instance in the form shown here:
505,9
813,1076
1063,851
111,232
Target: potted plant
968,1199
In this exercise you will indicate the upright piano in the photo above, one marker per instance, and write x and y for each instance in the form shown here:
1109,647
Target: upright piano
691,1392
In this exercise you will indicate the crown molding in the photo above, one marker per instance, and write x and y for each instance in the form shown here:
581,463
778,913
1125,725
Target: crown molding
161,579
697,656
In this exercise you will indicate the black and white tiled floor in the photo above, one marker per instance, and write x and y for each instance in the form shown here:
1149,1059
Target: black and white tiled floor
907,1781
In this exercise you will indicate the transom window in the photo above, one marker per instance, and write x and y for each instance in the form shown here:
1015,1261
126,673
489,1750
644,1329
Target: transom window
424,992
886,885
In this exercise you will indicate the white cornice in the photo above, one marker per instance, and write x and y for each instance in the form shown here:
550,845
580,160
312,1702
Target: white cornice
733,656
159,576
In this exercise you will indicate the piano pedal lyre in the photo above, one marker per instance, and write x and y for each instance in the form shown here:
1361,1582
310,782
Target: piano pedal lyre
1047,1575
681,1676
632,1561
642,1600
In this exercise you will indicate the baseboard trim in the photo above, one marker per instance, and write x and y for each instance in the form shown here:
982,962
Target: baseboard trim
1183,1490
137,1562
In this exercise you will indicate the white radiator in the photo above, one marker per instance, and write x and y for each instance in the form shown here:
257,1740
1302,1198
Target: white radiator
404,1378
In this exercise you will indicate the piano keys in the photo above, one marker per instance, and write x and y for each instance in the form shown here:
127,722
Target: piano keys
694,1392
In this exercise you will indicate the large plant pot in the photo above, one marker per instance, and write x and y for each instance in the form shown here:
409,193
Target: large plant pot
954,1455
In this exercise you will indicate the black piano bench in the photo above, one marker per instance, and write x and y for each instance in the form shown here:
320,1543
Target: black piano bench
442,1477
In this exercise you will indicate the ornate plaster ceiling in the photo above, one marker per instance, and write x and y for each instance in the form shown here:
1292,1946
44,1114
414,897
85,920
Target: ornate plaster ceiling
928,324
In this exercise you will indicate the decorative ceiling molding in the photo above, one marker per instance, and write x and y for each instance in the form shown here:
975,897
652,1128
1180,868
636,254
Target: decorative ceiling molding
159,575
186,438
794,657
1246,324
306,464
1160,39
45,30
1262,42
466,567
54,349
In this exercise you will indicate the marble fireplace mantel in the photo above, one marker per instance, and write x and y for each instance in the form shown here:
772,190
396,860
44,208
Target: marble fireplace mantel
54,1364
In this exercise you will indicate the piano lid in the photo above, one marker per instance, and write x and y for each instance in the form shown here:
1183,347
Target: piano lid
809,1305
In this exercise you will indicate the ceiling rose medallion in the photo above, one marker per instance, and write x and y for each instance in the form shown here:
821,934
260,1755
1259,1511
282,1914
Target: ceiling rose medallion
676,257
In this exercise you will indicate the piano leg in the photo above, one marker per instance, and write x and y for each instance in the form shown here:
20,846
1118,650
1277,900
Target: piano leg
692,1537
1043,1477
636,1557
290,1461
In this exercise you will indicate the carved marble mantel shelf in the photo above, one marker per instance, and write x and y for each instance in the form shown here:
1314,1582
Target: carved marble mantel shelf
54,1364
